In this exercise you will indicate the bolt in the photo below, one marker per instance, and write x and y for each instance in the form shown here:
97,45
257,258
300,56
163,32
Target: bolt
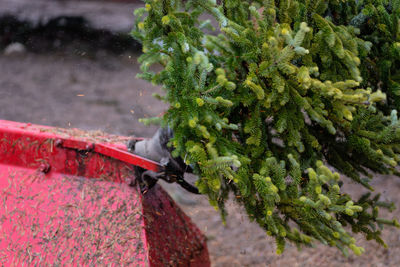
58,142
44,167
90,147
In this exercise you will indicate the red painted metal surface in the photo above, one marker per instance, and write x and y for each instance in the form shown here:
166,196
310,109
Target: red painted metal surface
127,157
64,200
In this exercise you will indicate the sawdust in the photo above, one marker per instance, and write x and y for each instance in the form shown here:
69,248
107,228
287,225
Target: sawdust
90,136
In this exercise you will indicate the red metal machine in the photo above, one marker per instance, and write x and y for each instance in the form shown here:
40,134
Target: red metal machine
65,200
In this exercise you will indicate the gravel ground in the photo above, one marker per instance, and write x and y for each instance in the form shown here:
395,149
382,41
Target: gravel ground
101,93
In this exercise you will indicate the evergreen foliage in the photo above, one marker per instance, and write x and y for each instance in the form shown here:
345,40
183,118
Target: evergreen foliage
283,89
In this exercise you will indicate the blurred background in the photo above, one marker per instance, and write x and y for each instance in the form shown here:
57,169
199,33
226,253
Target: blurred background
73,64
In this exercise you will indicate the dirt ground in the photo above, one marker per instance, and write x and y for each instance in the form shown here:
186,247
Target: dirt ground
111,15
101,92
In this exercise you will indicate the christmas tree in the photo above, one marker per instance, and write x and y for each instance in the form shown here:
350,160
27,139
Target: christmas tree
278,101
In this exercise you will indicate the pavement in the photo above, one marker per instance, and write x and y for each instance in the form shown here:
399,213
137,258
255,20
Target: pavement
105,15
